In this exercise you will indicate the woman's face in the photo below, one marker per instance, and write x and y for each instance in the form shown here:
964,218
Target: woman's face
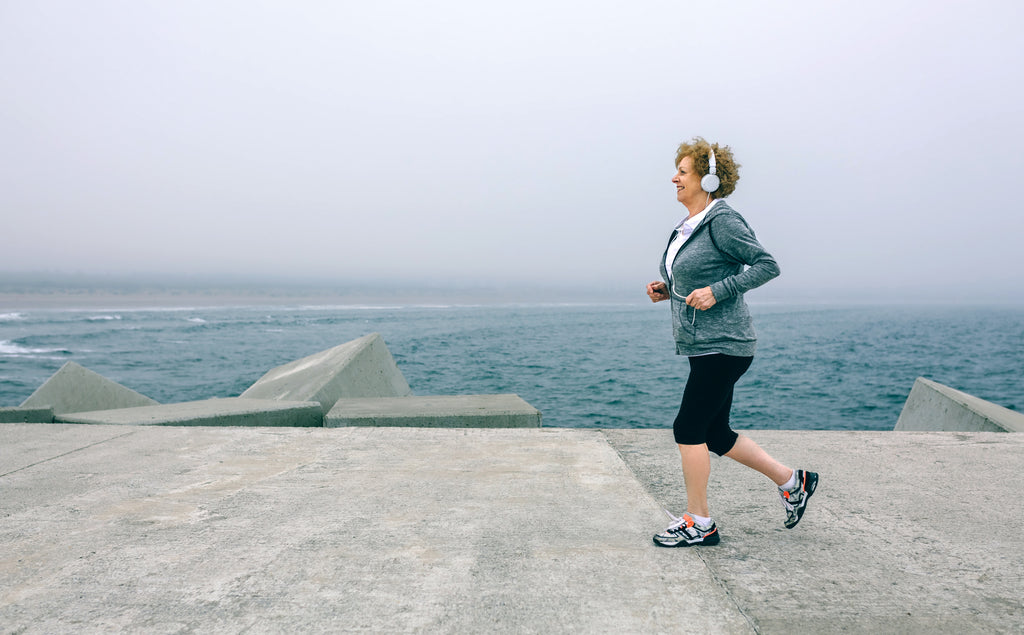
687,183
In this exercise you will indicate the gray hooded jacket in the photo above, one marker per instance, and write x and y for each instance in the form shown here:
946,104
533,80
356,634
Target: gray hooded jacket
715,256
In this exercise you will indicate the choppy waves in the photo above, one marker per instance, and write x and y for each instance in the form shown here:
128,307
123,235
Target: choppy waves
582,366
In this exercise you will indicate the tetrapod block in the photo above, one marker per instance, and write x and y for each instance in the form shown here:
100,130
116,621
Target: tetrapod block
360,368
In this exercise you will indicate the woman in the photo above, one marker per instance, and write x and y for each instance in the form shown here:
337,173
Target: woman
711,260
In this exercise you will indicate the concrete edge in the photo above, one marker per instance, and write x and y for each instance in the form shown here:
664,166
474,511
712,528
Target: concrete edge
435,411
928,407
227,412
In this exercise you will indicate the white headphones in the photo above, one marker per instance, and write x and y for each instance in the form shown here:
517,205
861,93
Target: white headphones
710,181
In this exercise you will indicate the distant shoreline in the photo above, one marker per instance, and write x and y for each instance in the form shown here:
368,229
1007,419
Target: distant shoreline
11,303
106,300
54,291
102,300
57,292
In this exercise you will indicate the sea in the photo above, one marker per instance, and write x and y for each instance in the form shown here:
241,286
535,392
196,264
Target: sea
818,367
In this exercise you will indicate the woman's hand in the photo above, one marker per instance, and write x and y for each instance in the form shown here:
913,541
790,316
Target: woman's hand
657,291
701,299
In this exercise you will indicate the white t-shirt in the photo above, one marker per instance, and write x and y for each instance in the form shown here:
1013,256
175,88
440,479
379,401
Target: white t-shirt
683,231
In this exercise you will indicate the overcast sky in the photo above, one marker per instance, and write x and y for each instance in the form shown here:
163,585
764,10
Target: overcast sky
881,143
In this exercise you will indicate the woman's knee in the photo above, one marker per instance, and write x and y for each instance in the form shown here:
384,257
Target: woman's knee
721,441
687,435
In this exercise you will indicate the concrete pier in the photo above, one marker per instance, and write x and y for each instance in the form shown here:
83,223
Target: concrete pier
26,415
232,411
436,411
225,530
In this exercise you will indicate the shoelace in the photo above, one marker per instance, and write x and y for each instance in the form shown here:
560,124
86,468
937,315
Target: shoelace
677,521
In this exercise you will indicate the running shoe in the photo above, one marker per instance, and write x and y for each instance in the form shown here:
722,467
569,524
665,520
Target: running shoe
683,532
795,500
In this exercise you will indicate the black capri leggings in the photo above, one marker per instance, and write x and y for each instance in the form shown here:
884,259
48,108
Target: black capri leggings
704,414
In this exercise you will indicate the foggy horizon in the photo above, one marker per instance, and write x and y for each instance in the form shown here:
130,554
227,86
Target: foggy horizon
475,146
20,287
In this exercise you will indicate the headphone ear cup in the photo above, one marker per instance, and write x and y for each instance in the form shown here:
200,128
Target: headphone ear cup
709,183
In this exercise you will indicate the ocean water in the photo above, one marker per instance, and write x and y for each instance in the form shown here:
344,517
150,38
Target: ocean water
822,368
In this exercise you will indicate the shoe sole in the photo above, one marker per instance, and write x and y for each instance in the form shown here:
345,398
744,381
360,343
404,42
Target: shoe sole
811,486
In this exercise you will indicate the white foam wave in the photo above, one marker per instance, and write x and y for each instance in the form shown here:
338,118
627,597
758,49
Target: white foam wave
345,307
10,349
103,318
11,317
197,320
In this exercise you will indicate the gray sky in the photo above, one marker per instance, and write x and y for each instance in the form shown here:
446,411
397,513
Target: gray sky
881,142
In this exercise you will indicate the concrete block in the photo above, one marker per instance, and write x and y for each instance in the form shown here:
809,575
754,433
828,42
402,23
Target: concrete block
360,368
77,389
233,411
26,415
932,406
459,411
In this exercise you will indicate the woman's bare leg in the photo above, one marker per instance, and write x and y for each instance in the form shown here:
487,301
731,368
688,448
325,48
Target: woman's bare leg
696,471
748,453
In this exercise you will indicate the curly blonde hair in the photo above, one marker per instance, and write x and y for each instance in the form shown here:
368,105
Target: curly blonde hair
726,168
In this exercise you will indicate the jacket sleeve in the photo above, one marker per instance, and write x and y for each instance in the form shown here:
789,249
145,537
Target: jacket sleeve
736,239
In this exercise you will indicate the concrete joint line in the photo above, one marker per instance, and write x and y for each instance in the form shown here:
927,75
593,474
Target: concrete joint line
54,458
728,593
714,575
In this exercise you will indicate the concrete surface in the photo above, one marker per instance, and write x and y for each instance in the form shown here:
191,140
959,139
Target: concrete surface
225,530
233,411
26,415
908,532
361,368
933,406
457,411
75,388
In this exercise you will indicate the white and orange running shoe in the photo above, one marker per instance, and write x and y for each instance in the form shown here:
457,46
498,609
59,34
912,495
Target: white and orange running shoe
795,500
683,532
